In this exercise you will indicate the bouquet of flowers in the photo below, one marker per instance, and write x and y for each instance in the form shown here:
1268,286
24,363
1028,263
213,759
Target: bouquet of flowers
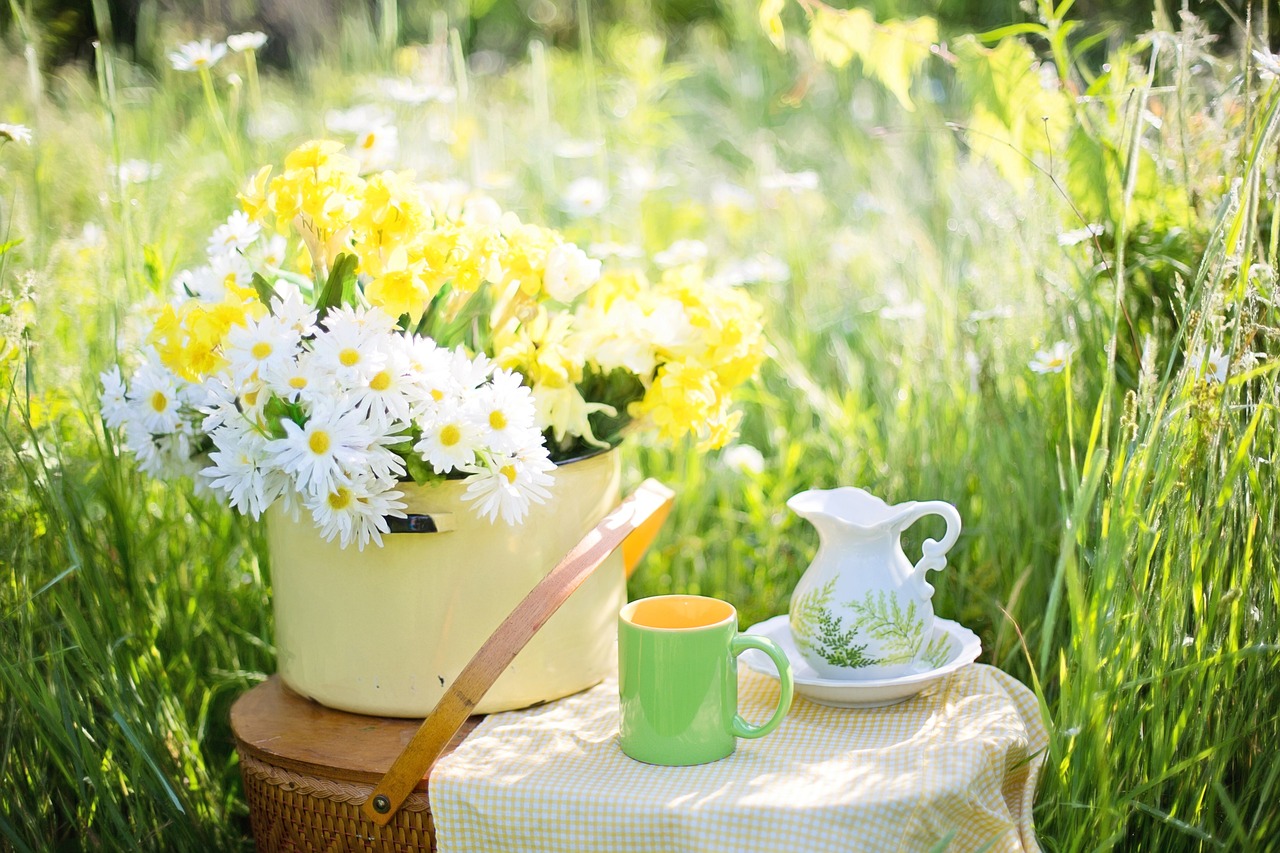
405,333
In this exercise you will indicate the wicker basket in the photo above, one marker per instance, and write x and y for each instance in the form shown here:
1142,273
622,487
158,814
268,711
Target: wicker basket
291,811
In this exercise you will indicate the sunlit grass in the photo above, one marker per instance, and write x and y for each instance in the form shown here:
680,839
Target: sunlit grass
1119,550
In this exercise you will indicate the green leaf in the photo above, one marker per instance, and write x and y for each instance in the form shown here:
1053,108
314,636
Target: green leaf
419,469
266,292
891,52
340,285
4,247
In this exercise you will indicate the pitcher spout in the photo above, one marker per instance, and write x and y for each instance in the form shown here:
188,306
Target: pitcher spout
849,510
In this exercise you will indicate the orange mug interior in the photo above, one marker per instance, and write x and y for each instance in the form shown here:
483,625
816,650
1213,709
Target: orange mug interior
678,611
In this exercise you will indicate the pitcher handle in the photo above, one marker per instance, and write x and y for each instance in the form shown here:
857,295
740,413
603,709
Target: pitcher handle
935,552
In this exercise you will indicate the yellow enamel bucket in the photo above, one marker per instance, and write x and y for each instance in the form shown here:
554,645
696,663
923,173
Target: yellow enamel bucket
383,631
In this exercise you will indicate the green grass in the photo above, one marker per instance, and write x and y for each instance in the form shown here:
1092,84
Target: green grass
1119,552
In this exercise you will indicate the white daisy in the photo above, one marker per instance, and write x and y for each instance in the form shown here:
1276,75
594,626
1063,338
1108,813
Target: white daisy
387,396
240,42
584,197
197,55
568,272
322,453
449,441
260,345
356,511
238,233
1052,360
242,470
114,399
229,268
505,413
291,308
17,132
272,252
510,486
154,390
350,349
294,380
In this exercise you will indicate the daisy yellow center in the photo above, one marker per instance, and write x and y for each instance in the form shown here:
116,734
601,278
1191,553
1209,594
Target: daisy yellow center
497,419
508,471
340,499
381,381
450,435
348,357
159,401
298,382
319,442
437,394
369,141
250,398
200,62
261,350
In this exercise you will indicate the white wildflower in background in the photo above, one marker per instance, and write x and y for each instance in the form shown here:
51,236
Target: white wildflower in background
376,146
576,149
621,251
1052,360
569,272
405,91
1268,64
793,182
238,233
16,132
761,269
1080,235
1213,365
584,197
357,118
903,310
240,42
135,171
732,196
744,459
681,253
197,55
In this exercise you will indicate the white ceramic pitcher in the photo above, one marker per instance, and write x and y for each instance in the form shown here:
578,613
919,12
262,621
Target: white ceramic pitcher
862,610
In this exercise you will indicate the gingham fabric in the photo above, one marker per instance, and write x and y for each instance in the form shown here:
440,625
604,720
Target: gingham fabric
959,762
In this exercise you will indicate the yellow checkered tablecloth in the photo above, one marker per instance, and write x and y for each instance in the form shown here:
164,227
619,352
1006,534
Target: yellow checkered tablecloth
959,761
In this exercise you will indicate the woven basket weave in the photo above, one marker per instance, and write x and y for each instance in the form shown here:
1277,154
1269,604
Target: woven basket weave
291,811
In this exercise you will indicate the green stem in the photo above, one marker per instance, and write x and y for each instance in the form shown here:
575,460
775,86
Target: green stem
211,100
251,75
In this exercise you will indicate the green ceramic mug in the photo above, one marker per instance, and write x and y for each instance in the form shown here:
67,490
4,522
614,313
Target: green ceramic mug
678,680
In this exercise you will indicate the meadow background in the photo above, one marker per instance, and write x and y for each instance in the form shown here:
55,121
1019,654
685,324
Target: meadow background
924,204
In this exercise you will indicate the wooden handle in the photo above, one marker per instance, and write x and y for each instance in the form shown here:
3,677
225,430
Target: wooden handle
643,510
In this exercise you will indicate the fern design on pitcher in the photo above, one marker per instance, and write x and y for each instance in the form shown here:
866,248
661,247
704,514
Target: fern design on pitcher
820,631
883,617
938,651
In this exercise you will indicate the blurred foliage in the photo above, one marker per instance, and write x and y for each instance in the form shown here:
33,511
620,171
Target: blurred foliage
67,27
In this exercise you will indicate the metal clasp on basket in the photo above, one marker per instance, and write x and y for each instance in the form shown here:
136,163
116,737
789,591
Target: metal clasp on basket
440,522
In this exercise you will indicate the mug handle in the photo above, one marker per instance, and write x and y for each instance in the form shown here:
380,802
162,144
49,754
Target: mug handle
742,642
